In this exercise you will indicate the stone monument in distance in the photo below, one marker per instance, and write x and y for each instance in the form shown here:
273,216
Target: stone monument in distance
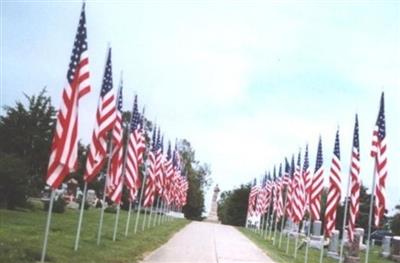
213,216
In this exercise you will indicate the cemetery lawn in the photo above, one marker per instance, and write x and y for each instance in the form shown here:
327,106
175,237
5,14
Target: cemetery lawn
279,254
21,237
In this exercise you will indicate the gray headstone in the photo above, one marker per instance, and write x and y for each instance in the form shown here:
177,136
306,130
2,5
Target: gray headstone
333,244
346,236
361,232
317,228
386,246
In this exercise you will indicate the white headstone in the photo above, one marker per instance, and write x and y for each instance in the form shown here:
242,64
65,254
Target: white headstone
333,245
386,246
361,232
317,228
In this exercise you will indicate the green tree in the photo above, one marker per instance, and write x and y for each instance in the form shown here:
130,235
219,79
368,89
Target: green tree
232,206
198,179
26,132
395,223
13,177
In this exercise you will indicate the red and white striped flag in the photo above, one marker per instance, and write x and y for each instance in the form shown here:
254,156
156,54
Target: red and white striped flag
149,193
378,152
159,183
317,185
115,184
168,173
278,195
105,119
333,199
251,210
64,148
307,178
134,153
355,182
290,192
298,193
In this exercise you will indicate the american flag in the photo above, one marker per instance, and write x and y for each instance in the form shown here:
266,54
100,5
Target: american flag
253,198
159,163
116,179
290,192
286,175
355,182
134,154
317,184
378,152
278,195
183,187
176,176
64,148
169,173
105,118
307,178
151,178
298,193
333,199
261,198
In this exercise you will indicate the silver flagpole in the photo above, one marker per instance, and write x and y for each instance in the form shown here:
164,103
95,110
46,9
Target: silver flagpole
321,255
116,222
104,196
140,201
346,205
270,226
276,226
268,220
371,205
297,241
261,224
157,210
144,218
151,212
283,219
46,232
161,212
128,219
287,243
78,231
308,240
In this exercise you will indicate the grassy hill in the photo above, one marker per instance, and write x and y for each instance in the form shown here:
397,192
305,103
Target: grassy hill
21,237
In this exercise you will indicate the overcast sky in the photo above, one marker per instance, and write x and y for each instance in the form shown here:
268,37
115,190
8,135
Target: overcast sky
247,83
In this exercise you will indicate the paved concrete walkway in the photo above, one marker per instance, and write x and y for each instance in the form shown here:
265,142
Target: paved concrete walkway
208,242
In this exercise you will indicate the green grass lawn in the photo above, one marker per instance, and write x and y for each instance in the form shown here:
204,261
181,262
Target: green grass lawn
279,254
21,237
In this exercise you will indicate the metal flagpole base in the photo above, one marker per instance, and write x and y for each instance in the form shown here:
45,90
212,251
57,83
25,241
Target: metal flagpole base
78,231
144,218
128,219
46,232
116,223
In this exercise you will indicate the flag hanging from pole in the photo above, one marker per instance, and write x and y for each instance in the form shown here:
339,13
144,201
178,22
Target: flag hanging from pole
355,182
252,199
317,185
134,154
378,152
307,179
105,118
151,170
116,177
298,192
290,192
64,148
333,199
